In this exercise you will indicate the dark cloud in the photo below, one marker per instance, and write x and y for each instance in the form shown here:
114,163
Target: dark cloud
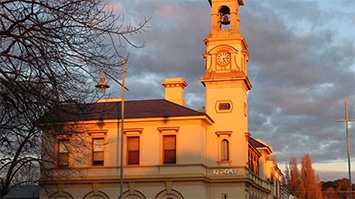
302,67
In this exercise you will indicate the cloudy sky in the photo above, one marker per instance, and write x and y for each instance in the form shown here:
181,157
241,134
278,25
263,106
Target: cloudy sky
302,68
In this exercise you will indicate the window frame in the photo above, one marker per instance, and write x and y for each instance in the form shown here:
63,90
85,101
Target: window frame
167,149
168,131
131,159
221,137
64,153
224,106
100,161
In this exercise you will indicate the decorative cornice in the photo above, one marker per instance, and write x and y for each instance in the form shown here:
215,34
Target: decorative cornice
219,133
171,128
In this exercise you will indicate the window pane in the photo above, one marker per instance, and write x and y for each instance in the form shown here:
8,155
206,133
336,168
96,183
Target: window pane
63,146
169,142
99,156
63,159
133,157
224,106
133,143
169,157
98,144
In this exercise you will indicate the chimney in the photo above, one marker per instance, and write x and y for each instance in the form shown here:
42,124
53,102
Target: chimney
174,90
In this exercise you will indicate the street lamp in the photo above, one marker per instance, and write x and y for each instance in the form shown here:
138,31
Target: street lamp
102,85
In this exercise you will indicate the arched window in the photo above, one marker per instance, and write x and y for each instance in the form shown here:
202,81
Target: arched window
173,194
64,195
225,150
99,195
134,195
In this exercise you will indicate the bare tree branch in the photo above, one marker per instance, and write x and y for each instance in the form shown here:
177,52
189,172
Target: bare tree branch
50,50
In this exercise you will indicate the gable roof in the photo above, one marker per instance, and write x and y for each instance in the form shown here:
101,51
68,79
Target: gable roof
259,145
112,110
255,143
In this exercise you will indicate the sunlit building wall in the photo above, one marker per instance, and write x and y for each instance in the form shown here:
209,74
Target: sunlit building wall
170,151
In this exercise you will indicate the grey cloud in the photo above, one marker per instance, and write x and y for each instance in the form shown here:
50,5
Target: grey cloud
301,67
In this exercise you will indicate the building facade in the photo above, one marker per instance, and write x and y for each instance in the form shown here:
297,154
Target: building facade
169,150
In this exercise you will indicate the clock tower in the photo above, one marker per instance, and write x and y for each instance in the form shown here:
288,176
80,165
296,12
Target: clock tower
226,82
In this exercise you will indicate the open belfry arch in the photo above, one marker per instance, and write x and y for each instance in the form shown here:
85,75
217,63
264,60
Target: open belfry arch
170,151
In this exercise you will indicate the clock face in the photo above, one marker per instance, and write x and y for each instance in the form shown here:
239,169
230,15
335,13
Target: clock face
223,58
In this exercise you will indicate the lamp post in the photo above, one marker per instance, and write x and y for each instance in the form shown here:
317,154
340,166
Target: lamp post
103,86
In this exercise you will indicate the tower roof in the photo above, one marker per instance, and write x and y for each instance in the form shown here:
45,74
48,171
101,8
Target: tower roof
241,2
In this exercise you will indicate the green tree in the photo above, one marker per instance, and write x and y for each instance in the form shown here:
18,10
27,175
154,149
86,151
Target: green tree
49,50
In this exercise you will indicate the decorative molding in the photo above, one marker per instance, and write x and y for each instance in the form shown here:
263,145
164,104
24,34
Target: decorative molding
219,133
133,130
168,185
95,187
247,136
97,132
171,128
62,136
132,187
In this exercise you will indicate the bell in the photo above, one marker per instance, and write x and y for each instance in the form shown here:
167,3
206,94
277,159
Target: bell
102,85
225,20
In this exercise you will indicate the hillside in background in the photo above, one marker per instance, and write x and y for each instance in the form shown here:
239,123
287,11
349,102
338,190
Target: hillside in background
337,189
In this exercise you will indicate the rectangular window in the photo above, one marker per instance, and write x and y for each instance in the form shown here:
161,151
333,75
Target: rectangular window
169,149
63,153
133,150
98,151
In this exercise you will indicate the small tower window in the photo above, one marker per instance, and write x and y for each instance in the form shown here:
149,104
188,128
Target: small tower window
224,106
225,150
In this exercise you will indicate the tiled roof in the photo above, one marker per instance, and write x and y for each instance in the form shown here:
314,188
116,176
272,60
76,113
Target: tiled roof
260,145
255,143
112,110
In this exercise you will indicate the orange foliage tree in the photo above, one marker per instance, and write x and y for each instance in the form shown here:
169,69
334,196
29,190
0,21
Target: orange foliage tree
304,183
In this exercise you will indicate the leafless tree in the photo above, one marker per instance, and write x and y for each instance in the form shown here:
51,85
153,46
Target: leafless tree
49,51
